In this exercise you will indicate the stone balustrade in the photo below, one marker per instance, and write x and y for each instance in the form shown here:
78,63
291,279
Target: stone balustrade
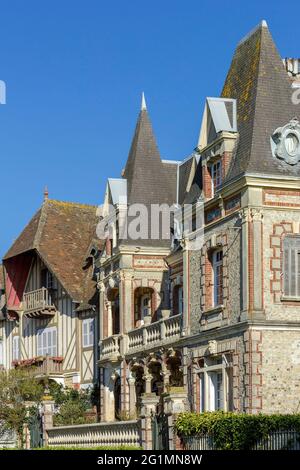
166,330
162,331
125,433
110,347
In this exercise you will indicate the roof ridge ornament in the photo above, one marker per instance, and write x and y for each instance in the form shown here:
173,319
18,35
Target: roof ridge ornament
143,105
46,193
262,24
285,142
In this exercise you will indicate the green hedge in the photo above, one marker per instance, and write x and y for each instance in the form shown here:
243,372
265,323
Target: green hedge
234,431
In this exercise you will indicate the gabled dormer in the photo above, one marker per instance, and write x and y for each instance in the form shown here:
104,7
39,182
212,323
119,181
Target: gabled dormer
216,142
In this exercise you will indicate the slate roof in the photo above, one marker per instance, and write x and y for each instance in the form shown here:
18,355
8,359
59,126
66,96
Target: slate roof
185,170
61,233
258,81
147,176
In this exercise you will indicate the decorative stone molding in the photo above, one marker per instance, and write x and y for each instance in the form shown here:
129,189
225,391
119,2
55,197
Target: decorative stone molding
285,142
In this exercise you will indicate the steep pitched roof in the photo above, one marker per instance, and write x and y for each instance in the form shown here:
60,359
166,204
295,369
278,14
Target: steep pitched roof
61,233
258,81
147,181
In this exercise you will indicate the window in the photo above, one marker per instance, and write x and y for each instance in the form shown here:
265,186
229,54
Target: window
215,384
217,278
216,176
180,300
47,279
88,332
1,353
215,389
291,266
146,306
16,348
47,342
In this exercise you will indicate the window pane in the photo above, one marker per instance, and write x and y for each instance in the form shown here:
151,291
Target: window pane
218,277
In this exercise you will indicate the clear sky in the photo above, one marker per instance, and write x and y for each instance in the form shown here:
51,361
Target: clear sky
75,72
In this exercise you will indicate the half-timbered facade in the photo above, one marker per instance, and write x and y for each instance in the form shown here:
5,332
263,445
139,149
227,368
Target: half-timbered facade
51,308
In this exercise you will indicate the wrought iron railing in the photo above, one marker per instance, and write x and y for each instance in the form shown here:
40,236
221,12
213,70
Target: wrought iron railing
276,440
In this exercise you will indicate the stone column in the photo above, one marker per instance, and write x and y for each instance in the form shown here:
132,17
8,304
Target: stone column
186,284
132,396
256,296
109,318
149,404
101,288
166,376
126,301
47,417
244,263
175,402
148,381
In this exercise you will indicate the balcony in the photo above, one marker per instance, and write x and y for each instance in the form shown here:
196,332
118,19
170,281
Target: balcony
38,303
161,332
110,348
42,365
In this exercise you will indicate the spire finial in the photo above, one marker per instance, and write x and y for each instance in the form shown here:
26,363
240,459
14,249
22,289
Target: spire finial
46,193
144,106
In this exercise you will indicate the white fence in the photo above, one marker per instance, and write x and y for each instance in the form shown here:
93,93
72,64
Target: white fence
123,433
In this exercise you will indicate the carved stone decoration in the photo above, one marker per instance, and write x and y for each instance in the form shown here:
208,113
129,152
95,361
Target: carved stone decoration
285,142
212,347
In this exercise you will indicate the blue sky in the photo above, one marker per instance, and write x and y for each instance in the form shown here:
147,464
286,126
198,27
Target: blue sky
75,71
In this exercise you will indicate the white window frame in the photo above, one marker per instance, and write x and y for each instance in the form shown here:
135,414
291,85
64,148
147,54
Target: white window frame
208,380
217,263
216,176
16,348
46,341
88,332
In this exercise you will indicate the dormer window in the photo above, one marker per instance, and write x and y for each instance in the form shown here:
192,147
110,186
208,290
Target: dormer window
216,176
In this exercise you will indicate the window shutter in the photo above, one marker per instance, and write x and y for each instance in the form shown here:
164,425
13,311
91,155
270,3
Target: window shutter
53,350
286,267
291,266
39,347
91,339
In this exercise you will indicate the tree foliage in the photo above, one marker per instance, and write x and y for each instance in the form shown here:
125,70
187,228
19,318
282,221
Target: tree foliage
17,388
71,405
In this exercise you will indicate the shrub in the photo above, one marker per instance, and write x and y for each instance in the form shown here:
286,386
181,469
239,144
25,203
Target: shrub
234,431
